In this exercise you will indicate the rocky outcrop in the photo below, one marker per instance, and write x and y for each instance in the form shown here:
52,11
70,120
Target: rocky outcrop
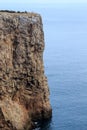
24,93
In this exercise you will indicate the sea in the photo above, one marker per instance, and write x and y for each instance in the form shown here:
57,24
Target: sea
65,62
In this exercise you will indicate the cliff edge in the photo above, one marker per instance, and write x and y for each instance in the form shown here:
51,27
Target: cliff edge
24,93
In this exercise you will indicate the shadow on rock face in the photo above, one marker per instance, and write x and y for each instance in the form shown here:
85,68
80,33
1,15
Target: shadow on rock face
43,125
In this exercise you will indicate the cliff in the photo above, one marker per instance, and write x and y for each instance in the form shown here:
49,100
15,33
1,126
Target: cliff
24,93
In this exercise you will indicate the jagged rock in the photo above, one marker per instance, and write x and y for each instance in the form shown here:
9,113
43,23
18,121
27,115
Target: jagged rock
24,93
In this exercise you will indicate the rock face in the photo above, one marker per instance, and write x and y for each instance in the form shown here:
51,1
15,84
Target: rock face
24,93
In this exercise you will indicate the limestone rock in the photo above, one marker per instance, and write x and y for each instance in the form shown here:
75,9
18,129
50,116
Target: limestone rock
24,93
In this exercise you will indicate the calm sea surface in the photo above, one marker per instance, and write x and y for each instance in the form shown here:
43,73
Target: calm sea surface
66,66
65,58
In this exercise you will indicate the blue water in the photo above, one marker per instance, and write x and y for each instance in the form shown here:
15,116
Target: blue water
65,58
66,66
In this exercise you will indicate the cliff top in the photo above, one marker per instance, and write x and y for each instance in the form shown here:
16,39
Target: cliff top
24,17
30,14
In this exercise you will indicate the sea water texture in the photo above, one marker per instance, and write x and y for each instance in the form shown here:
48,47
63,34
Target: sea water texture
65,58
66,66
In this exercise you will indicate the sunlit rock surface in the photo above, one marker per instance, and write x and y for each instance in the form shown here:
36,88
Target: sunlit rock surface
24,93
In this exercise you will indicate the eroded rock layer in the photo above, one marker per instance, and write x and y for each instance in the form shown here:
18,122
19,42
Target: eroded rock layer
24,93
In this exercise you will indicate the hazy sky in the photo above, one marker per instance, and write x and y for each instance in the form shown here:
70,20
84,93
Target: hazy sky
43,1
31,5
